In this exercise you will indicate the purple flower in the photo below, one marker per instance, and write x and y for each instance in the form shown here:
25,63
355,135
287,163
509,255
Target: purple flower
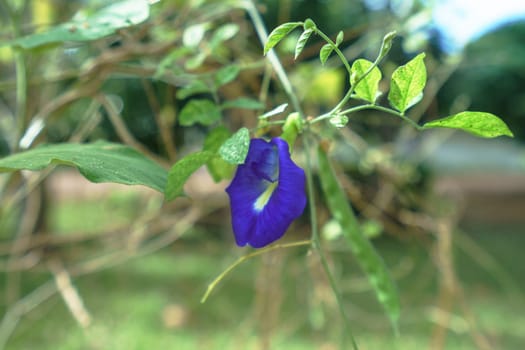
266,194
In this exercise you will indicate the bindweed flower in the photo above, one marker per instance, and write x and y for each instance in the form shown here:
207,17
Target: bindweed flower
266,194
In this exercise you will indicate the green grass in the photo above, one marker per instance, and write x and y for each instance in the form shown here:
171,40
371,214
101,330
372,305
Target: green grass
129,302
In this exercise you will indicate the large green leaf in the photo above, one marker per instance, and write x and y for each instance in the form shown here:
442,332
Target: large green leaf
104,22
181,171
98,162
408,82
477,123
367,88
367,257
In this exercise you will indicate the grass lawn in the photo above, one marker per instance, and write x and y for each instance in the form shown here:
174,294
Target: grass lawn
153,302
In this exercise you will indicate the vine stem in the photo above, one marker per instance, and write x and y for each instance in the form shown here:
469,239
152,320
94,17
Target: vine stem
21,72
315,242
373,107
243,258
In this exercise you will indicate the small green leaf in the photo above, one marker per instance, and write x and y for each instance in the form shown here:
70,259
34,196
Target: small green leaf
367,257
274,111
309,24
181,171
243,103
235,149
199,111
302,41
407,84
325,52
339,38
339,121
226,74
197,86
218,168
278,34
477,123
102,23
225,32
367,88
97,162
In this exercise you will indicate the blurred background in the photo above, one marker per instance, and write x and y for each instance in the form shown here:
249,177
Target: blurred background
104,266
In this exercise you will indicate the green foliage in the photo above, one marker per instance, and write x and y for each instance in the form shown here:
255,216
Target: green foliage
104,22
97,162
199,111
243,103
407,84
481,124
367,257
219,169
235,148
367,87
182,170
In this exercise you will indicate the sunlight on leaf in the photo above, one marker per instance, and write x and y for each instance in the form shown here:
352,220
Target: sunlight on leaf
235,149
367,88
407,84
477,123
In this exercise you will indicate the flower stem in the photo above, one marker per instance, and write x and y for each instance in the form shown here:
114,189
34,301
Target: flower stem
316,244
243,258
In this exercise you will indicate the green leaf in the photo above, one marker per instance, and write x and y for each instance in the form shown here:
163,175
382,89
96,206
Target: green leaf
243,103
182,170
199,111
309,24
97,162
325,52
274,111
302,41
408,82
101,24
367,257
218,168
477,123
224,32
278,34
367,88
235,149
226,74
195,87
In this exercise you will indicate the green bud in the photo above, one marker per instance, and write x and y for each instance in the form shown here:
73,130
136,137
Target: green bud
339,121
309,24
292,127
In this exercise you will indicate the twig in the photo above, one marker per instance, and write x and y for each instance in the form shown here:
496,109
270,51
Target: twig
22,307
68,292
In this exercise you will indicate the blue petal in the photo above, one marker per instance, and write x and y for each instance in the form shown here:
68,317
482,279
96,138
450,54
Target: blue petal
266,162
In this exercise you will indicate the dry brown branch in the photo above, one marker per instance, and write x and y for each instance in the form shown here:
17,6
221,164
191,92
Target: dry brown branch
69,293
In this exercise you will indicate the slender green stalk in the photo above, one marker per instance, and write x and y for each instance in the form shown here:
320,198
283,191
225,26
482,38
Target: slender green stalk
272,57
316,243
243,258
281,74
21,72
369,106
